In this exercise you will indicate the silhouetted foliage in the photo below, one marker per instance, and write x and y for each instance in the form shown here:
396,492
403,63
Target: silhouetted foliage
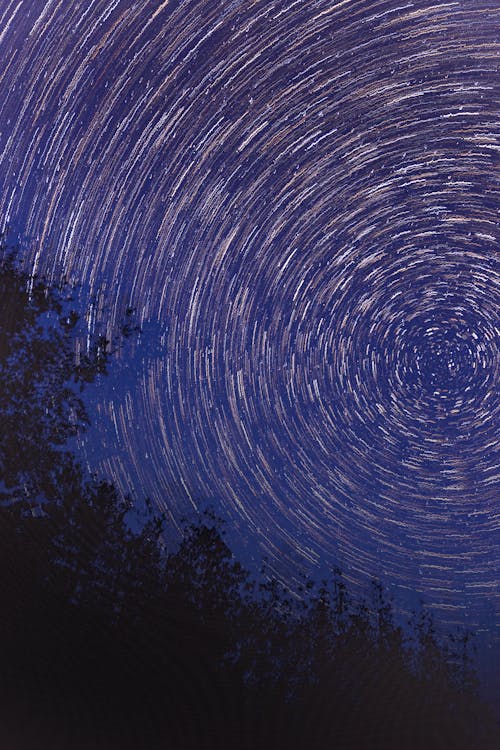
41,379
107,641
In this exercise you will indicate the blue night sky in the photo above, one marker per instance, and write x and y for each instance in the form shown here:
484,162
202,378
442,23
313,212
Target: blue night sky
300,199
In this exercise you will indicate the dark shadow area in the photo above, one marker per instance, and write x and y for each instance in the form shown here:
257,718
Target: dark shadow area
108,641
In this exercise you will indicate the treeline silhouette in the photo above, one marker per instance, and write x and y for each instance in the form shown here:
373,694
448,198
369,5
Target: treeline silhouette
108,640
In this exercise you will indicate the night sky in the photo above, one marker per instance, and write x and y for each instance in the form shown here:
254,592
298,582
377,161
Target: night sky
300,198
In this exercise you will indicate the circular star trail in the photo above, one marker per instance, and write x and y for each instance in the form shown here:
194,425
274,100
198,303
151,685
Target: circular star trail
299,197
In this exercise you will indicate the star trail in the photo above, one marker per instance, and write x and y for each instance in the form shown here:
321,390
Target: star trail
300,198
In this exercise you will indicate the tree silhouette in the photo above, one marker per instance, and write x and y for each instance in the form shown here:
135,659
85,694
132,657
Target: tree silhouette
41,379
107,641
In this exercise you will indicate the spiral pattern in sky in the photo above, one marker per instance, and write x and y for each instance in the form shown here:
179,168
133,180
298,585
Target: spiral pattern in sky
301,200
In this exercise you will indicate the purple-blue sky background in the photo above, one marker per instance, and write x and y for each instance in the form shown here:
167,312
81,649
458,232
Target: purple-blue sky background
301,201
